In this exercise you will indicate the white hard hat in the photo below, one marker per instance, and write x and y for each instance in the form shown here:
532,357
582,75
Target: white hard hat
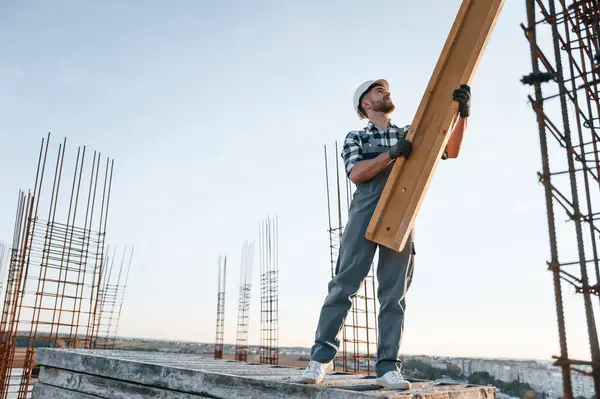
362,89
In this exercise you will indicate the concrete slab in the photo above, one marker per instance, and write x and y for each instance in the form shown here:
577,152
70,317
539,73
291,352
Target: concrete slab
43,391
107,387
133,374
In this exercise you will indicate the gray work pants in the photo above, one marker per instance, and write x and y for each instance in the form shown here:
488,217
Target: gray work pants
394,275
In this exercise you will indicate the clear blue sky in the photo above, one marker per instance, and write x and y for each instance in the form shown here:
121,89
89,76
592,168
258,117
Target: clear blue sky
216,115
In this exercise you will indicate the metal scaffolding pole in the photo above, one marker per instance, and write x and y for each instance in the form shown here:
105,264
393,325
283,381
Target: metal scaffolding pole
569,118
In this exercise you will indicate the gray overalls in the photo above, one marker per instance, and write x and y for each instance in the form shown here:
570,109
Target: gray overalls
394,275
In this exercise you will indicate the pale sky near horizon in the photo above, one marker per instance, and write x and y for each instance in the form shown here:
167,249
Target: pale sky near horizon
216,115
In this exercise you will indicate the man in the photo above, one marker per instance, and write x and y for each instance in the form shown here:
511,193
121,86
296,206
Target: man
368,155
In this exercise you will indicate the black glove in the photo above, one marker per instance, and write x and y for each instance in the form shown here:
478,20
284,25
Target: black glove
402,147
462,95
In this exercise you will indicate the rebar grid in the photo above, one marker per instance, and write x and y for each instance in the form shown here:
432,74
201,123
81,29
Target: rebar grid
269,275
112,295
55,268
241,346
359,331
6,349
571,116
221,307
4,258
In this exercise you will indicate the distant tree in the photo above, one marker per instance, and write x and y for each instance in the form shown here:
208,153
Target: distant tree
481,378
425,371
454,372
513,388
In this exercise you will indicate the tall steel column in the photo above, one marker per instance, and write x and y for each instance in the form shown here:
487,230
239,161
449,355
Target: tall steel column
565,52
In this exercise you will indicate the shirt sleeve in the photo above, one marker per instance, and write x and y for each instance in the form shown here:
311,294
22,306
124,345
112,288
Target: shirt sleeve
405,132
351,151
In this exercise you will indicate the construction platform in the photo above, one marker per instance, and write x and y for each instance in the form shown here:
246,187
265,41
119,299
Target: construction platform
68,374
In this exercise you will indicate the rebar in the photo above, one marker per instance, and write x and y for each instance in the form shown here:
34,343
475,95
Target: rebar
359,331
241,347
55,268
221,307
112,295
4,257
572,33
269,275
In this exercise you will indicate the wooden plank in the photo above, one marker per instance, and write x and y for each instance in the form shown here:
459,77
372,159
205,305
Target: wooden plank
409,180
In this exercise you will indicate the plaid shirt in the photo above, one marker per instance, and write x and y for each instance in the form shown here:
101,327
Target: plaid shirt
355,141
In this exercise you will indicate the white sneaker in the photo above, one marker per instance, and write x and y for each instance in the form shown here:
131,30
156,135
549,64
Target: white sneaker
315,372
393,380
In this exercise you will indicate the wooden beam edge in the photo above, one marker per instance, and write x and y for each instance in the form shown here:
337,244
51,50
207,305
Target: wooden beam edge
375,224
439,66
484,36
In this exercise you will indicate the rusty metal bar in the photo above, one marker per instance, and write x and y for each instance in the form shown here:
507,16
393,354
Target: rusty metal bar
571,181
358,350
269,280
221,307
111,299
241,346
100,245
52,284
4,257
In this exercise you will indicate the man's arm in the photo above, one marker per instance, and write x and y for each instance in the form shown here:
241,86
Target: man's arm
462,95
456,137
359,169
369,168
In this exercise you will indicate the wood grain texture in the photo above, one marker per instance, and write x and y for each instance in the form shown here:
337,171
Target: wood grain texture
409,180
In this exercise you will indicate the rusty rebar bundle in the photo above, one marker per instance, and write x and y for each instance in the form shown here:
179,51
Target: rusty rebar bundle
112,295
269,298
241,347
56,265
221,307
570,118
359,332
4,257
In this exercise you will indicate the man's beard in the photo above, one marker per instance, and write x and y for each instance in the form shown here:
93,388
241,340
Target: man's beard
384,106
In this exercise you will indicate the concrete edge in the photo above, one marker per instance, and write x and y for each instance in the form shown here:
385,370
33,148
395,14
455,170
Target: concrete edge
44,391
219,385
105,387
